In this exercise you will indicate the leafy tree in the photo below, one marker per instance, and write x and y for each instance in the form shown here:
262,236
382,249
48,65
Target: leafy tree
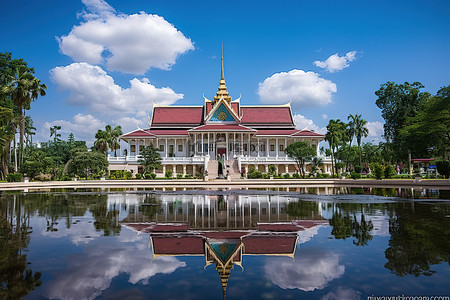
87,163
30,130
335,136
300,152
37,162
101,142
151,159
316,163
430,125
398,102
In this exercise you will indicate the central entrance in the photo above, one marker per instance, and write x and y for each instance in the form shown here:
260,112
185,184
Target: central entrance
221,151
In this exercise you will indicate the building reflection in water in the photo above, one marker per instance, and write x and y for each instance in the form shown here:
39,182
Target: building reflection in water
222,228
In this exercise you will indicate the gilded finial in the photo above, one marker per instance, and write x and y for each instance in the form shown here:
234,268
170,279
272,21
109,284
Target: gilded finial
222,93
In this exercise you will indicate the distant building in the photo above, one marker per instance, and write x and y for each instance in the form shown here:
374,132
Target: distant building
221,136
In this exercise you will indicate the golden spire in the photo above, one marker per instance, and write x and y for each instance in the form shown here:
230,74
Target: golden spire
222,93
224,273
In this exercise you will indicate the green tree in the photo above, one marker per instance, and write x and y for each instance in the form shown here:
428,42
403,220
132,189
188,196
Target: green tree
55,134
102,141
23,88
301,152
359,130
316,163
336,136
113,135
30,130
37,162
150,160
398,102
87,163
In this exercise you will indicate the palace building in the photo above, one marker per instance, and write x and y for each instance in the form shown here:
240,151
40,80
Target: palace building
220,137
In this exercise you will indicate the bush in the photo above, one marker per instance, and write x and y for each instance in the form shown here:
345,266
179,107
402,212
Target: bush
179,176
355,175
128,175
287,176
254,174
389,171
378,170
344,174
272,169
265,175
168,174
296,175
443,167
402,176
340,165
188,176
138,176
14,177
358,169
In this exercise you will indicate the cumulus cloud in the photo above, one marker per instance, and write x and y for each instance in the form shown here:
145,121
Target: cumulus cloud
92,87
342,293
302,88
301,122
127,43
375,128
312,269
83,126
335,62
89,273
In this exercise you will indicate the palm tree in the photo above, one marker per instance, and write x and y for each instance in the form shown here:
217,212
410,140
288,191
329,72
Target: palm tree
316,163
113,137
101,142
30,130
335,136
23,88
360,131
54,133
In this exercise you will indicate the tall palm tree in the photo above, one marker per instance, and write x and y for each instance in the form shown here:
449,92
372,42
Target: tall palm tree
360,131
23,88
30,130
335,135
54,133
113,137
101,142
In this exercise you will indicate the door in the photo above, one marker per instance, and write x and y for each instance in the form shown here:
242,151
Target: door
221,151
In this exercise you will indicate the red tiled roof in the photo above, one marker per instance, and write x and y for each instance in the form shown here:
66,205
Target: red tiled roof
286,132
306,132
168,131
269,244
176,245
266,115
173,115
137,133
235,107
209,106
229,127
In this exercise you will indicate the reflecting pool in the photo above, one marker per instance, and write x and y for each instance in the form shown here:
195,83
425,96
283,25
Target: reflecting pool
343,244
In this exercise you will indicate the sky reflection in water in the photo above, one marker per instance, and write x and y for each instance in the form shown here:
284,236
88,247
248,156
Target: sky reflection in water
115,245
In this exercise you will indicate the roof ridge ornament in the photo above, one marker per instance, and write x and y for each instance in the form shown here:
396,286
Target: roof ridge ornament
222,92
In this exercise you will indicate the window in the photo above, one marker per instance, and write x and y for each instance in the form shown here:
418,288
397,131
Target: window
133,148
245,147
272,147
281,147
161,148
262,147
180,148
171,150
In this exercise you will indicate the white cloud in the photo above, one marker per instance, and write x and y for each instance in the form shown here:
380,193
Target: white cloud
89,273
92,87
324,116
82,126
127,43
302,88
335,62
375,128
312,269
301,122
342,293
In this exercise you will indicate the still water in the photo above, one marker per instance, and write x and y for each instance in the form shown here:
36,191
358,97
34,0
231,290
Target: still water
350,244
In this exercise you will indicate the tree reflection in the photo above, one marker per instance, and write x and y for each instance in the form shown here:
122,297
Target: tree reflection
420,237
345,226
105,219
16,279
303,209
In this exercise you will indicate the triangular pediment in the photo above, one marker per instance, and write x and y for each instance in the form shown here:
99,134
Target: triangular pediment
223,113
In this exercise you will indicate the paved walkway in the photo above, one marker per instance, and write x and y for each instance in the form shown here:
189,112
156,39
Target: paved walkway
225,184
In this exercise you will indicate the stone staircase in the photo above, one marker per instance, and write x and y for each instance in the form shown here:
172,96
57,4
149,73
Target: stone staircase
213,169
235,173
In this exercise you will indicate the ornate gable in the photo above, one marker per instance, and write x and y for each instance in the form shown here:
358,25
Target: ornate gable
222,112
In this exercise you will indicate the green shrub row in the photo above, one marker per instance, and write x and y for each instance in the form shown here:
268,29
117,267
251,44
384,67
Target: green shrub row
14,177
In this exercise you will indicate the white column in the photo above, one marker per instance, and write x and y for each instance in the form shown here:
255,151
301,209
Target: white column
242,144
214,143
258,146
175,147
285,146
137,148
226,141
276,147
248,147
234,144
203,153
167,149
267,148
207,153
195,144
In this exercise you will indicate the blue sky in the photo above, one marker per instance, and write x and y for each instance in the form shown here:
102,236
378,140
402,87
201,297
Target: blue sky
107,62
